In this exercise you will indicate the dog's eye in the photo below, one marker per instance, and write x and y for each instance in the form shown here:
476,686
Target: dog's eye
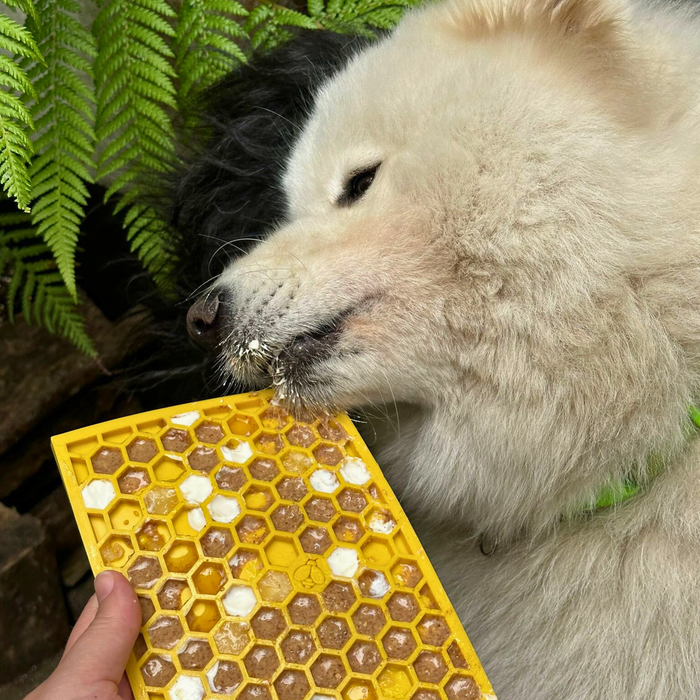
357,185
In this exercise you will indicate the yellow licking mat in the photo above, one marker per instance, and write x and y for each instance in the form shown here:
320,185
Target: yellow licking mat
271,559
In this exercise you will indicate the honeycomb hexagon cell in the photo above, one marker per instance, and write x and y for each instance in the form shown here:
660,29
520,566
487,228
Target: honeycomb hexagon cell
330,429
304,609
152,536
252,530
369,619
296,462
269,443
377,552
107,460
158,671
462,688
125,514
196,488
298,647
301,435
359,690
287,518
399,643
328,671
352,500
232,637
142,450
116,550
168,469
140,647
261,661
160,500
209,432
333,633
224,677
133,480
181,557
320,509
176,440
216,542
395,682
343,561
203,459
239,601
281,551
427,598
255,692
230,478
382,521
403,607
364,657
292,685
373,584
315,540
144,572
209,578
268,623
457,656
202,616
339,596
348,529
433,630
195,654
327,454
258,498
245,564
242,425
263,469
274,417
406,573
173,594
274,586
147,609
165,631
425,694
430,667
292,488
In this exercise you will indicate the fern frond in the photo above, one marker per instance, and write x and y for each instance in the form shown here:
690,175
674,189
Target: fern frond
266,24
36,287
16,43
64,113
134,82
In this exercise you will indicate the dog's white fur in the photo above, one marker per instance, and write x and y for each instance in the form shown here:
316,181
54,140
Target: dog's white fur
525,274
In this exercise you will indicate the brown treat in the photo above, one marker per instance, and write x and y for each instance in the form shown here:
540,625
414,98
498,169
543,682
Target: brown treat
462,688
252,530
165,632
195,655
403,607
457,657
287,518
364,657
301,435
321,509
269,443
268,623
151,537
433,630
304,609
292,685
423,694
348,529
230,478
338,597
274,417
330,429
298,647
107,460
315,540
292,488
407,574
144,572
328,671
255,692
158,671
261,661
216,542
352,500
296,462
227,678
327,454
264,469
176,440
142,450
147,609
399,643
245,564
373,584
430,667
133,480
140,647
369,619
203,459
333,633
170,595
209,432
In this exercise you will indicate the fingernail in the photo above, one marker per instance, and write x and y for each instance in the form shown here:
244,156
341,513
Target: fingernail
104,583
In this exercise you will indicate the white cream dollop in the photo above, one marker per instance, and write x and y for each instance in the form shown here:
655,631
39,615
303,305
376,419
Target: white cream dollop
381,522
239,454
196,488
379,586
239,601
187,688
354,471
223,509
343,561
324,480
196,519
98,494
185,418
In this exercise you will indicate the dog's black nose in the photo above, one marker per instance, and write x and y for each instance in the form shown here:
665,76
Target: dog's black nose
205,319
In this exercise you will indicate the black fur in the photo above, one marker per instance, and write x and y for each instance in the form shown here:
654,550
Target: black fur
227,194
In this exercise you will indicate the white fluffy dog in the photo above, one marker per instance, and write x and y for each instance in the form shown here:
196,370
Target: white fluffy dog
493,233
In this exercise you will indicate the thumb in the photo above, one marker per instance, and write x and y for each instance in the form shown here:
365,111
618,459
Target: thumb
101,652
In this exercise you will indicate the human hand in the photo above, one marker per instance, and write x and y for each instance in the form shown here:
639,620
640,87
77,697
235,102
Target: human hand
93,663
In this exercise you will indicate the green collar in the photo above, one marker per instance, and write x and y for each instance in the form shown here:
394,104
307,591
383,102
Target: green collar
616,493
